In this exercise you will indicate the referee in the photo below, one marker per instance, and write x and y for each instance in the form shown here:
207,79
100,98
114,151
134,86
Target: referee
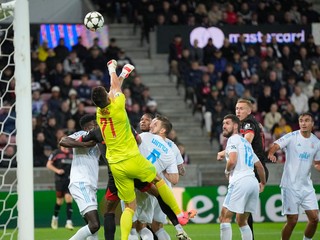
251,130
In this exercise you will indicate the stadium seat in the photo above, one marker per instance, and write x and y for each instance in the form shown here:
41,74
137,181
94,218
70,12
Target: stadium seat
45,96
90,109
76,83
94,83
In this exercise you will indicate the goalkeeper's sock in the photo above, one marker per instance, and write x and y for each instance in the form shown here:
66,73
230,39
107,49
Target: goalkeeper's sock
126,222
167,196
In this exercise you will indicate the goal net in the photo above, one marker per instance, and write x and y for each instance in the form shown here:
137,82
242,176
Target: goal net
16,164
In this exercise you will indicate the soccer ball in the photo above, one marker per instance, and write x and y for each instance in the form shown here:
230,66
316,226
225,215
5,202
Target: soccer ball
93,21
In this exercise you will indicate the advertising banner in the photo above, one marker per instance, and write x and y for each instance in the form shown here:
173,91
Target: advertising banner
206,200
285,34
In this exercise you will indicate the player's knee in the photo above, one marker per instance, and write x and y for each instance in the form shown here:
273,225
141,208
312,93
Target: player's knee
314,219
94,226
292,219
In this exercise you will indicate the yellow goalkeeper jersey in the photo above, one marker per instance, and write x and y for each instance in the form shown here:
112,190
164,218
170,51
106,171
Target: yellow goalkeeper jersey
116,130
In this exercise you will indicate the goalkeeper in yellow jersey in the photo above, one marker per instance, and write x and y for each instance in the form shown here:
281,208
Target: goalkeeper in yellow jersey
125,161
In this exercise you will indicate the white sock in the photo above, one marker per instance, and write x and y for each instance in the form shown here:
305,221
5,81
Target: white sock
225,231
162,234
82,233
93,237
306,238
179,228
146,234
246,232
55,218
133,235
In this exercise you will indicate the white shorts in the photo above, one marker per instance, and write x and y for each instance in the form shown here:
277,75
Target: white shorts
145,206
85,196
243,195
158,215
292,200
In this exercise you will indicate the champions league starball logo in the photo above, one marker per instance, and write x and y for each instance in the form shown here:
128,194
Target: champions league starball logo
203,34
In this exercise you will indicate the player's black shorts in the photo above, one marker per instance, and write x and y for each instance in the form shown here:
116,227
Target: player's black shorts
112,191
62,187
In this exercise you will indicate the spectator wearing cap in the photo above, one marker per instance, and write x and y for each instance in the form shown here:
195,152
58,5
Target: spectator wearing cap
95,64
54,102
152,107
73,100
73,65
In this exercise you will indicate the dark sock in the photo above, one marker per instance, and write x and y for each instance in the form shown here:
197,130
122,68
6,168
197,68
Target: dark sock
69,211
168,211
250,223
109,226
56,210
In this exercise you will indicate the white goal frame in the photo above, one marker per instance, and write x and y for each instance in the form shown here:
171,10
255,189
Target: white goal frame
21,26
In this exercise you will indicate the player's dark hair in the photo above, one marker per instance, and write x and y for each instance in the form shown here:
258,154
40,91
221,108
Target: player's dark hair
166,124
86,119
99,97
149,115
234,119
306,114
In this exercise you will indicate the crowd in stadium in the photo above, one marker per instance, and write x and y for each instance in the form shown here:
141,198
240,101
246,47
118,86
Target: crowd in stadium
281,80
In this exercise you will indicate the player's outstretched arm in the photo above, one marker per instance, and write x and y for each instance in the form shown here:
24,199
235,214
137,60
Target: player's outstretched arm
274,148
71,143
262,175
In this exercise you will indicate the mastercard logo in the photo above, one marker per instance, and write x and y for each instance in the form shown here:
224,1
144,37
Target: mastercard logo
203,34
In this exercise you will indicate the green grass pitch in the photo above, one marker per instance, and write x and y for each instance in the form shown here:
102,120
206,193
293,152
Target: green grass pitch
263,231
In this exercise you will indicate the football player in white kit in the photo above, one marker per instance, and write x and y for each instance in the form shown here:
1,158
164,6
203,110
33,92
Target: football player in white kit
84,177
302,149
243,190
154,147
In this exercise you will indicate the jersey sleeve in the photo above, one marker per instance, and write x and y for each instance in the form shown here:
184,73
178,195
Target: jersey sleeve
248,127
53,155
77,135
170,159
317,156
285,140
119,100
177,153
255,158
232,145
94,135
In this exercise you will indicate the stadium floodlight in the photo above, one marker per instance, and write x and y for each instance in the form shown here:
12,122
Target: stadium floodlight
16,209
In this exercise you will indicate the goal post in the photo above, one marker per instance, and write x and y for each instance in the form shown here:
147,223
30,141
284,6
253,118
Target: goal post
21,26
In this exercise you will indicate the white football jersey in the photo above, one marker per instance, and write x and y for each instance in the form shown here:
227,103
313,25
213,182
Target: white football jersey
246,158
158,152
175,150
85,163
300,154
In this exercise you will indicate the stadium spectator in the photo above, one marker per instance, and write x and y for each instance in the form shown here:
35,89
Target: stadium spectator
272,118
61,51
95,64
281,129
299,100
80,49
73,65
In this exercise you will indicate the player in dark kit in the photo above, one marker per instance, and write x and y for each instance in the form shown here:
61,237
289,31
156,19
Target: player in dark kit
111,195
60,163
252,131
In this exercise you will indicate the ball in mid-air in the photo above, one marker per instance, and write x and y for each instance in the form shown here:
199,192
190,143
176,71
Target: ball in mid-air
93,21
